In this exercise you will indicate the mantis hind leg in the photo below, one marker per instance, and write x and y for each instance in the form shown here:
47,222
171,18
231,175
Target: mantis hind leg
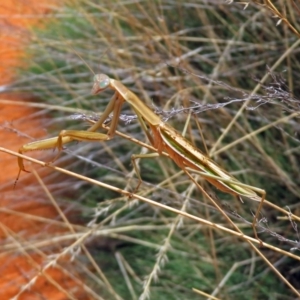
253,195
134,157
255,219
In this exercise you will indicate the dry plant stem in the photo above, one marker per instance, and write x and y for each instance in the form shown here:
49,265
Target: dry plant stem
257,131
147,200
229,273
120,259
42,272
72,230
151,202
63,239
44,106
54,262
269,4
249,242
161,256
255,90
205,294
49,222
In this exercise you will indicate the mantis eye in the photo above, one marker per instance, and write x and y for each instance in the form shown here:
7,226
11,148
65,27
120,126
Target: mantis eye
103,84
102,80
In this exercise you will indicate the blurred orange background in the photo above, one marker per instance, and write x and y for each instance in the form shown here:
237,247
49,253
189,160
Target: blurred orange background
22,274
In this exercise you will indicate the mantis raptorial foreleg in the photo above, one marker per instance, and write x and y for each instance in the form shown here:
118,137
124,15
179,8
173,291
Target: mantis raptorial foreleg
64,137
67,136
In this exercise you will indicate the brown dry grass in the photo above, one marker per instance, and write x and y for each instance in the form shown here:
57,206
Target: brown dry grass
213,50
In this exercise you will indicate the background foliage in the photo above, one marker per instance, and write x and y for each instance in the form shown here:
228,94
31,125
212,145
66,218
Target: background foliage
198,59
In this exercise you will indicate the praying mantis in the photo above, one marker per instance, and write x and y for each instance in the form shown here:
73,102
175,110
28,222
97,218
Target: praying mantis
163,137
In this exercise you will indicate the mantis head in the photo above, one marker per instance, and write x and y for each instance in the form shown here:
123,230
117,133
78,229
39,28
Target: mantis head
101,82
